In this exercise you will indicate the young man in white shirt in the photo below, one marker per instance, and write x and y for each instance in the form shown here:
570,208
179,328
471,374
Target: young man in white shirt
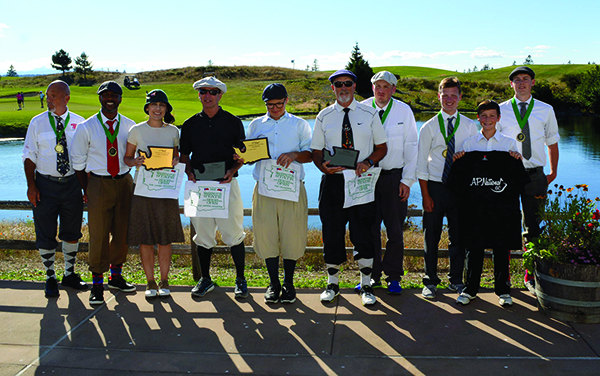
533,124
438,139
272,217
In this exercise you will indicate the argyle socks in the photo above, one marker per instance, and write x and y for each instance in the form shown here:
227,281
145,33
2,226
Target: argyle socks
366,268
69,253
333,274
115,270
48,257
97,278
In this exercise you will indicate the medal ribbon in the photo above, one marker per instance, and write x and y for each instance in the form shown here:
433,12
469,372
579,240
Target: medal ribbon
518,113
443,130
58,135
109,136
387,110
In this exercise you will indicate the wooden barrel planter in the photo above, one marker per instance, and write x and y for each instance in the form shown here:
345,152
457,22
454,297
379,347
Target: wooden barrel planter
568,292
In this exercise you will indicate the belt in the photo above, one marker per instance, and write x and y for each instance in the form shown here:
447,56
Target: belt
391,171
64,179
110,176
534,170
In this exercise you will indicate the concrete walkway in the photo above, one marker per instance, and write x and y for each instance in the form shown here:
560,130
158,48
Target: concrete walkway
217,335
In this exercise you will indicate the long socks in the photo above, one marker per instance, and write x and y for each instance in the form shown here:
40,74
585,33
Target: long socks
273,270
288,271
333,274
48,257
366,268
69,253
238,253
204,256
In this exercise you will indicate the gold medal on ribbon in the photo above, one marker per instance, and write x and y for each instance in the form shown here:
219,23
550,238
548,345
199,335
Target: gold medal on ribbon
112,151
445,153
59,148
521,137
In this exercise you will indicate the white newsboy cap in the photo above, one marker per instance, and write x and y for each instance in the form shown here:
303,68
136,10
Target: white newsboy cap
386,76
210,82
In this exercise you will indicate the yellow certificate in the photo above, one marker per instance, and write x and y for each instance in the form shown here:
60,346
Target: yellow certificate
157,157
255,149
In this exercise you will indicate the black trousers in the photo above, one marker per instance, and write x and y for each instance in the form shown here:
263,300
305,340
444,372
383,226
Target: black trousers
62,200
475,258
532,200
334,219
444,204
390,210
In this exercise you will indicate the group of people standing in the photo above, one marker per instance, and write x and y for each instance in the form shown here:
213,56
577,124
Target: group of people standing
69,161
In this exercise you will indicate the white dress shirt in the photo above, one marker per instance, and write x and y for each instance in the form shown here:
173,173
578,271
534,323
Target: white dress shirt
543,129
402,144
89,145
430,160
367,129
498,142
40,142
289,133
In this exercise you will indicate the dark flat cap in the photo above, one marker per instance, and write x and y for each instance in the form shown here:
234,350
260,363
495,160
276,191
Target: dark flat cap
274,91
342,72
110,86
521,70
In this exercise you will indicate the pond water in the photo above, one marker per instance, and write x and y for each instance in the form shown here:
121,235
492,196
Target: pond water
579,162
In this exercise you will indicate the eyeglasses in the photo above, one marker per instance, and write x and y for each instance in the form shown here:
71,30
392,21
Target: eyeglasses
343,83
273,105
212,92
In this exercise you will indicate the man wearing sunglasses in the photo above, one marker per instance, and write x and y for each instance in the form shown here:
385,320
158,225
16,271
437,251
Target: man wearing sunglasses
397,176
209,137
279,222
352,125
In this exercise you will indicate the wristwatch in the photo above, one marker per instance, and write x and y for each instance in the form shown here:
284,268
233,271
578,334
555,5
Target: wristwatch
370,162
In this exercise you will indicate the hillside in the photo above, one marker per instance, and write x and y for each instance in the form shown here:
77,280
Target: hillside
309,91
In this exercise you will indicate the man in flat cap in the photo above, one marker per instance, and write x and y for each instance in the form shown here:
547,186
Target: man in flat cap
396,178
209,137
52,187
349,125
280,222
98,149
533,124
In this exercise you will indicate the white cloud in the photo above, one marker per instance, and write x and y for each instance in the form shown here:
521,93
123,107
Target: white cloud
2,27
485,53
262,54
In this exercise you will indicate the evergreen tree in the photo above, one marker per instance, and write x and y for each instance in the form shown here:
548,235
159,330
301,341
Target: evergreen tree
590,88
360,67
61,61
528,60
11,72
315,67
83,65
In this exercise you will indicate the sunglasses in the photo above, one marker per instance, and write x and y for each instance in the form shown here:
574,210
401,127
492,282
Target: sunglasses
343,83
211,91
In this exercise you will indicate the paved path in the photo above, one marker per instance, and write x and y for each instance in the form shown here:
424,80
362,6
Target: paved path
217,335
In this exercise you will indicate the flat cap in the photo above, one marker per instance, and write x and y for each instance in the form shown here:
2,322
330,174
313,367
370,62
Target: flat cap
274,91
385,76
110,86
342,72
520,70
210,82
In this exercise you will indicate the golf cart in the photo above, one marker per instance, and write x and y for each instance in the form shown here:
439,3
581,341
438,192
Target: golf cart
131,82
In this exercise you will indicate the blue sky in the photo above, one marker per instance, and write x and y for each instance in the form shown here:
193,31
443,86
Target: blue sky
136,35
